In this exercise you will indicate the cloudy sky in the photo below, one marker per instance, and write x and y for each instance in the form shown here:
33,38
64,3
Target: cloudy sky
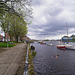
50,17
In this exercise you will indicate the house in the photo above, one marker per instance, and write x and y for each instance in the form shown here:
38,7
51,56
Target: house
73,36
1,38
13,38
26,38
67,39
6,37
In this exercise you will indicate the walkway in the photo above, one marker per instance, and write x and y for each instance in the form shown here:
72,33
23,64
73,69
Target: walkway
10,59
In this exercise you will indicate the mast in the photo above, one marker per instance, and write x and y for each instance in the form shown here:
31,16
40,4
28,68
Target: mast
67,32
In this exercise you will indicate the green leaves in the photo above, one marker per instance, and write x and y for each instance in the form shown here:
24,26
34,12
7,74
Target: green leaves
13,15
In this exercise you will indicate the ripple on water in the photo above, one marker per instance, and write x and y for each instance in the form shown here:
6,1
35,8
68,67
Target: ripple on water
46,64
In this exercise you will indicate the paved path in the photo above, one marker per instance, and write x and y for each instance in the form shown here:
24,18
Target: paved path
10,59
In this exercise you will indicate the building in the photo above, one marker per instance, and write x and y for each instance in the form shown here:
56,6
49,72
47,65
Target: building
26,38
68,39
6,37
1,38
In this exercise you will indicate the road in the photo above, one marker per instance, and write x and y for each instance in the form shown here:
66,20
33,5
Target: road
10,59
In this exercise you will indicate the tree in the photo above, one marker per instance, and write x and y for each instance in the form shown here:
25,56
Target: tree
18,27
12,13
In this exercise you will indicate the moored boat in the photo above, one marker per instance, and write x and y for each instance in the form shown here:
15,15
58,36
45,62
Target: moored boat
40,41
61,46
70,47
43,43
50,44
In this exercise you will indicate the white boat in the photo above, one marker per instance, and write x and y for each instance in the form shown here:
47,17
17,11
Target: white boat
50,44
70,47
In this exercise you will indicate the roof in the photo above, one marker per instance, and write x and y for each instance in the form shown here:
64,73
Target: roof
67,38
73,36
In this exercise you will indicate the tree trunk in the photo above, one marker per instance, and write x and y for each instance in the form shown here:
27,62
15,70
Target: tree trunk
17,39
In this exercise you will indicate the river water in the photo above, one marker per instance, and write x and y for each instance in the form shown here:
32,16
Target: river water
46,62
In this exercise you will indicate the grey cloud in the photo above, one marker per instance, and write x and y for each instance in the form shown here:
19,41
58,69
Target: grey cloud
53,10
52,29
53,26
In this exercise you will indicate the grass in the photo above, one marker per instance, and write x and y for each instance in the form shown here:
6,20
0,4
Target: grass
30,65
33,53
2,44
10,44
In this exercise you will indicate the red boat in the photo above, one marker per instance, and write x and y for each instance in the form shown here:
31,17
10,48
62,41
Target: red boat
61,46
42,43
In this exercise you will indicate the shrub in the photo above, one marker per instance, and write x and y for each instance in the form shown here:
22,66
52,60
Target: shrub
33,53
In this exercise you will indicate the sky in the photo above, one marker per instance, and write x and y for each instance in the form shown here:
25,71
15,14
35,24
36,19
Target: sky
50,17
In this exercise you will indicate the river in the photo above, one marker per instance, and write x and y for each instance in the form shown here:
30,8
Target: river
46,62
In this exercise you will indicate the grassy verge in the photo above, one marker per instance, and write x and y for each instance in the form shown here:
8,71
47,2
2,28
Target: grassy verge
2,44
30,60
10,44
33,53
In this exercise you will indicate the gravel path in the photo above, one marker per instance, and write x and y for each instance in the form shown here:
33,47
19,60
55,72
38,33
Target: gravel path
10,59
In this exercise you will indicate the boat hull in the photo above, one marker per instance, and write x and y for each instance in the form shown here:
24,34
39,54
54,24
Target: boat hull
50,44
61,47
70,48
43,43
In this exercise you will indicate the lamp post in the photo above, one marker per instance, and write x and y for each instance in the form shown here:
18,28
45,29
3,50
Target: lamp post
7,33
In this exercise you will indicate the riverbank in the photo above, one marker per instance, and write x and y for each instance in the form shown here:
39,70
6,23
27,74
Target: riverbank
30,61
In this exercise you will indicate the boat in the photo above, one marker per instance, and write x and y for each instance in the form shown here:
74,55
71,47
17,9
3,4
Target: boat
40,41
65,45
50,44
70,47
61,46
43,43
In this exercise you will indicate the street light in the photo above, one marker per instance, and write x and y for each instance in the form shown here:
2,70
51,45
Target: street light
7,33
